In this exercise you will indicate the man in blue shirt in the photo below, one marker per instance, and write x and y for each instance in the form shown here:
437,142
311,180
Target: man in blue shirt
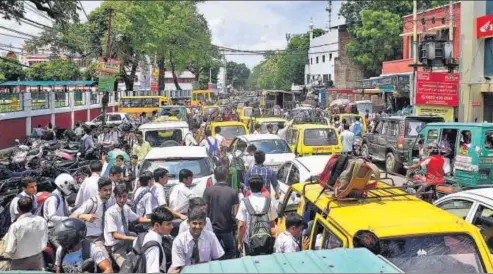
267,174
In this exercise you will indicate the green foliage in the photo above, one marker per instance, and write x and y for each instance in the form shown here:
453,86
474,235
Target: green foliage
375,41
11,69
90,73
54,70
61,11
237,75
375,26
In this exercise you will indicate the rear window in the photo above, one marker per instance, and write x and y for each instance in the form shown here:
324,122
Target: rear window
413,127
199,166
488,140
231,132
320,137
275,127
447,253
157,137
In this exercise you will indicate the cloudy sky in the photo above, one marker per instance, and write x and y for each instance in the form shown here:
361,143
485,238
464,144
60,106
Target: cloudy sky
245,25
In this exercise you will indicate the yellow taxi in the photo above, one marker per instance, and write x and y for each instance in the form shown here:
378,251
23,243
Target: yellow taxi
229,129
411,233
350,118
313,139
245,113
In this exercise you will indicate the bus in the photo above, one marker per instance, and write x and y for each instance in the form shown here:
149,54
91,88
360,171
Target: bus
202,97
135,105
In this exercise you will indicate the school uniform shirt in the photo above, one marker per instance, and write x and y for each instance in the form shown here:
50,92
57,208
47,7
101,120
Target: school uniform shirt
72,261
26,237
258,202
152,254
55,209
159,195
286,243
114,223
184,226
221,140
95,206
144,205
178,199
14,207
209,248
87,190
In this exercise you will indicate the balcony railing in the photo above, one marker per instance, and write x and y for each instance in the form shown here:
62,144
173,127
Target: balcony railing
11,102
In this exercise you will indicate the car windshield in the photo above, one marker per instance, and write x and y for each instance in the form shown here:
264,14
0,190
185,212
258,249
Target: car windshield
320,137
157,137
488,140
275,126
272,146
447,253
231,132
199,166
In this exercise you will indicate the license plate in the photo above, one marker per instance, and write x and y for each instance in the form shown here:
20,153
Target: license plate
321,149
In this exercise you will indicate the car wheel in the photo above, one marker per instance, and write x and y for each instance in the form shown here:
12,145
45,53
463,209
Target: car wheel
390,162
364,151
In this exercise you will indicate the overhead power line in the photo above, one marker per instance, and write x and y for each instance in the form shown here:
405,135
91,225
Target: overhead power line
14,36
82,7
18,32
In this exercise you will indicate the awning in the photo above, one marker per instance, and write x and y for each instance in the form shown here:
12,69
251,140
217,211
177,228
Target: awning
47,83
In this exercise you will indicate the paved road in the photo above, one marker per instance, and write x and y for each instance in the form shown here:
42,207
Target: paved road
399,180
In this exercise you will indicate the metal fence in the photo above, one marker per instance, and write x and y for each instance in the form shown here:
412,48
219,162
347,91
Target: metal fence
79,98
61,99
40,100
11,102
94,98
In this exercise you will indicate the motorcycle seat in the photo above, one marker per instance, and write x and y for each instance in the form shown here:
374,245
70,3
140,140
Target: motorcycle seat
66,164
69,151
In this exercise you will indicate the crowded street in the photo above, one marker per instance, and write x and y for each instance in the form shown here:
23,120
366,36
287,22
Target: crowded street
198,137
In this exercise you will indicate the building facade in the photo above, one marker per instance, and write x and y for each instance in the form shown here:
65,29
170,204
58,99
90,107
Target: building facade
328,61
476,62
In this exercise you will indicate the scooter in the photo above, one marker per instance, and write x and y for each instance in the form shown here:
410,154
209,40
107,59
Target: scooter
413,184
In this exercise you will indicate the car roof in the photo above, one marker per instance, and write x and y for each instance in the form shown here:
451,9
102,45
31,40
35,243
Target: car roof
461,124
257,137
409,117
312,126
314,164
483,194
165,124
269,119
227,123
383,212
176,152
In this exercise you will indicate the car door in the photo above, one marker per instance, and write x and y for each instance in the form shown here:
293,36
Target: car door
458,206
381,140
282,177
482,218
370,137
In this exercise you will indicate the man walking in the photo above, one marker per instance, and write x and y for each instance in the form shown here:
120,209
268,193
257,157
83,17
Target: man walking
347,138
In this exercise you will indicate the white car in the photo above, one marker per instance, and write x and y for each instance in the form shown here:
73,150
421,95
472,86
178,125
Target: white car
112,118
277,150
474,206
158,133
174,159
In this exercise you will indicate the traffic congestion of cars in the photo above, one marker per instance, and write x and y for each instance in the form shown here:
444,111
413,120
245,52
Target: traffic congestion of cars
317,166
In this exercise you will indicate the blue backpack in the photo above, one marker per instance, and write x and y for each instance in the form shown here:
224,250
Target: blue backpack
357,129
213,149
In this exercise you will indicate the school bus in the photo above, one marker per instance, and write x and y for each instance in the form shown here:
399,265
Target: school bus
135,105
201,97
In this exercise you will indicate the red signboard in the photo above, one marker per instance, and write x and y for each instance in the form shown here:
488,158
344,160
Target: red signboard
484,26
154,86
437,88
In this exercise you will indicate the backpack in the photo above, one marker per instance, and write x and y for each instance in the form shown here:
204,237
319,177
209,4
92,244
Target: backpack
86,253
5,219
333,169
213,149
82,147
238,163
40,209
357,129
260,240
138,198
136,260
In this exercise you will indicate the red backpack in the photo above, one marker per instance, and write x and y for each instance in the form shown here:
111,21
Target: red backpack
334,167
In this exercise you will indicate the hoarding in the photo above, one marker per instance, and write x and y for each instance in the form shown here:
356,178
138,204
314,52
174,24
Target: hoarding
437,88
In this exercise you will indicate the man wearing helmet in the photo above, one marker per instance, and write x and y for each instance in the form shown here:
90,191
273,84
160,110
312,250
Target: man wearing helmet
55,207
74,249
434,168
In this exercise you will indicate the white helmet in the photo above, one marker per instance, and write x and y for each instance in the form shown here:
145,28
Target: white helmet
65,183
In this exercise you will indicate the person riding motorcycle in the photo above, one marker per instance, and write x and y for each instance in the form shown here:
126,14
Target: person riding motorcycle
434,169
76,254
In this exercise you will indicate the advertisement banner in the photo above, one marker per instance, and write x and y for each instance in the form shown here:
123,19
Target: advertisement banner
154,86
446,112
437,88
108,67
484,26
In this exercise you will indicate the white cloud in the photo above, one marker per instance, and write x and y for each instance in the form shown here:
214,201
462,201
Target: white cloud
245,25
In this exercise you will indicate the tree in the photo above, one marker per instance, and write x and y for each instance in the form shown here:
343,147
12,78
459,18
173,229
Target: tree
11,69
375,41
54,70
237,75
61,11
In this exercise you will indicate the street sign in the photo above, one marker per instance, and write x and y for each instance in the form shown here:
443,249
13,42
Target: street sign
387,88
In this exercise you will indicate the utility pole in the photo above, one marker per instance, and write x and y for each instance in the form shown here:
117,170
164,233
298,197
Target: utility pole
415,47
108,38
451,21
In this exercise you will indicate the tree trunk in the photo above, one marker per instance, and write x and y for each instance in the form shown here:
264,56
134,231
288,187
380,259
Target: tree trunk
160,81
173,72
129,79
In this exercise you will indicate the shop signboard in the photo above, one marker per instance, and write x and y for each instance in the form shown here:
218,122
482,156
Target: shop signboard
437,88
108,66
446,112
106,83
484,26
387,88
